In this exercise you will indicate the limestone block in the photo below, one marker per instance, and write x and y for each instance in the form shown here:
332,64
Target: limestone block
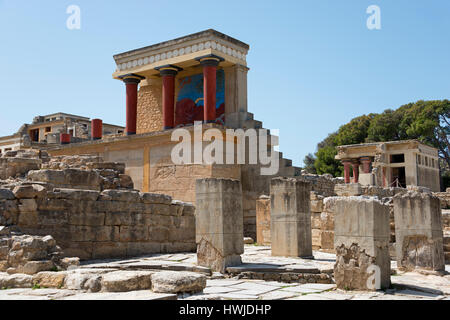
29,191
219,223
15,281
348,189
418,231
120,195
134,233
111,249
123,281
76,194
48,279
263,220
361,242
155,198
290,217
86,219
178,282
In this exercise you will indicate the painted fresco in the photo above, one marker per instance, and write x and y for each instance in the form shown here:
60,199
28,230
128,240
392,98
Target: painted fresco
189,106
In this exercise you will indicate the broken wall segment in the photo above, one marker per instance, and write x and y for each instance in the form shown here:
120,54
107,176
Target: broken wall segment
219,223
263,220
418,231
290,218
362,243
114,223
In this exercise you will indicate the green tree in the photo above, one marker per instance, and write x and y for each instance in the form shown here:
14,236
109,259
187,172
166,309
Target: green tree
309,163
325,162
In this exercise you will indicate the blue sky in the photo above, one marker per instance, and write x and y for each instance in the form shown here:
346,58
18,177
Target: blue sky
314,64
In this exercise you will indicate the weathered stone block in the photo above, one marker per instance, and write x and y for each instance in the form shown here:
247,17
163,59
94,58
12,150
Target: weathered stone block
219,223
361,241
290,217
134,233
348,189
123,281
155,198
178,282
86,219
263,220
120,195
418,231
29,191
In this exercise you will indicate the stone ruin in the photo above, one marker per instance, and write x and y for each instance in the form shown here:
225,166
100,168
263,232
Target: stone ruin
53,209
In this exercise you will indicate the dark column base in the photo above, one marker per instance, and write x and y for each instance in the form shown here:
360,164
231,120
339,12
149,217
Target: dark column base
167,127
131,133
96,138
209,121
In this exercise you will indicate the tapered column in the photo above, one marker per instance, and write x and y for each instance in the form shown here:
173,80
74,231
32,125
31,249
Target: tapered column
131,82
209,64
346,164
96,129
355,166
366,162
168,73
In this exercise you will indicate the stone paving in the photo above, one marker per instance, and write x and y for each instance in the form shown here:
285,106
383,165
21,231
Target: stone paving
406,286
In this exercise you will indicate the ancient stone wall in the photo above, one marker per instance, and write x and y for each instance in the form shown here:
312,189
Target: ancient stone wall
92,224
15,164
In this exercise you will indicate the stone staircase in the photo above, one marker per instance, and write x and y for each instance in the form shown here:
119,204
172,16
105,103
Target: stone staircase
245,120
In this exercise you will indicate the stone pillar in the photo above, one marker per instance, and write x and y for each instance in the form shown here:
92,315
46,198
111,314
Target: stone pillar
366,164
219,223
131,82
361,241
346,164
355,165
418,231
209,64
168,73
96,129
290,218
263,220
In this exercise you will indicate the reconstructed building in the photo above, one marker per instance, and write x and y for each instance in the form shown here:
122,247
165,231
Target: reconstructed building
47,129
199,77
391,164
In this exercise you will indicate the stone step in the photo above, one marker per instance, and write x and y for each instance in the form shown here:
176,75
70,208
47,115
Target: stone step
252,124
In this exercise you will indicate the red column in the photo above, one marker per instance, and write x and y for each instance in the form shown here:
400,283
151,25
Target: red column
355,172
366,164
131,82
209,64
64,138
96,129
346,171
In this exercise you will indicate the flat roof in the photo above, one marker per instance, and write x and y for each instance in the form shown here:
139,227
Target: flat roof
185,38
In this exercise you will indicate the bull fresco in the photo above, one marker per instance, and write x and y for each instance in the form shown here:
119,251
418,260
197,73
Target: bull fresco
190,102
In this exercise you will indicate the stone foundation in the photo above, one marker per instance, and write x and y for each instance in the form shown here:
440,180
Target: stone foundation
114,223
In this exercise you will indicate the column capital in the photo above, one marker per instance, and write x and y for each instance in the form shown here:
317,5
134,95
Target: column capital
131,78
210,60
365,158
168,70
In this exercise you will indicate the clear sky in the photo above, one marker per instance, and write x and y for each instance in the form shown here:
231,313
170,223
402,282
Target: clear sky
314,64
